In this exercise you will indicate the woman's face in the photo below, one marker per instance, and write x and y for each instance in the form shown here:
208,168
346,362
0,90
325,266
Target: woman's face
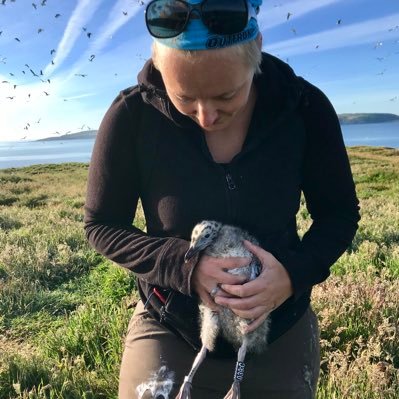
213,90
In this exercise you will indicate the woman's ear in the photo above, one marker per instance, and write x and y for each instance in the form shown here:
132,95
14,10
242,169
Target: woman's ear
259,40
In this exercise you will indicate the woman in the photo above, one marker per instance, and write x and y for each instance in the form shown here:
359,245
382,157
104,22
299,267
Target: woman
217,130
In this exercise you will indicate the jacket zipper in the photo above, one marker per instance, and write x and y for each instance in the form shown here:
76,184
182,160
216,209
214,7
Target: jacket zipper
231,193
163,316
230,181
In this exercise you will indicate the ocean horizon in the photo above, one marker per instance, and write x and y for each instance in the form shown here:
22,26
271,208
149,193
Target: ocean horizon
15,154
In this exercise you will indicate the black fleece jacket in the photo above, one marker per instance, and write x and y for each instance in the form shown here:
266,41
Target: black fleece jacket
145,149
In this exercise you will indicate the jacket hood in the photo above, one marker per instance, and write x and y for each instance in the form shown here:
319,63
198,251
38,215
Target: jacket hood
153,92
279,90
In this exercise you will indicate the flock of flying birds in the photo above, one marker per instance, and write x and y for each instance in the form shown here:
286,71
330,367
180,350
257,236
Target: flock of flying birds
38,74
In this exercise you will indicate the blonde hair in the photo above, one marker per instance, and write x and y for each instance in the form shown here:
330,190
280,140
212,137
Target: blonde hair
249,52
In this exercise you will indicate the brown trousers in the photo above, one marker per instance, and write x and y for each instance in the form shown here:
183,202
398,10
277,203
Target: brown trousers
288,369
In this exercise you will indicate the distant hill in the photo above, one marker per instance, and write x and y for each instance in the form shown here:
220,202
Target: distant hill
87,134
347,119
344,119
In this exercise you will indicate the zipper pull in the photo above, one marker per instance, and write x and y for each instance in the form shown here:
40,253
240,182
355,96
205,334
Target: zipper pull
163,314
230,182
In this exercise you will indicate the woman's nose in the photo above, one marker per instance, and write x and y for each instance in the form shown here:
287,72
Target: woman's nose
206,115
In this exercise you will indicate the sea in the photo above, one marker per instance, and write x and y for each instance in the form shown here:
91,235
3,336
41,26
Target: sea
25,153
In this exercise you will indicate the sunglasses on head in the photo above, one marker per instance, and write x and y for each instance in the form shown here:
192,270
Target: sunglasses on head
168,18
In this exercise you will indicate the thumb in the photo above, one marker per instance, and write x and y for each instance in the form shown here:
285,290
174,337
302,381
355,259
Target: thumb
255,249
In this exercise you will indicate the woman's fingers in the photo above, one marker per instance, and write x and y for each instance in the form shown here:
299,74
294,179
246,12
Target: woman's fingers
230,279
234,302
259,252
251,314
232,263
256,323
253,287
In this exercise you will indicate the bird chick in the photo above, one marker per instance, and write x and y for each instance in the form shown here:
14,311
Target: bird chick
224,241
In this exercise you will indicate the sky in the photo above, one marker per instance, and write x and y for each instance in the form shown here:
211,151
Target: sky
62,62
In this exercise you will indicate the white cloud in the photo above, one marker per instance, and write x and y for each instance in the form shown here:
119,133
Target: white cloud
372,31
115,21
80,16
271,17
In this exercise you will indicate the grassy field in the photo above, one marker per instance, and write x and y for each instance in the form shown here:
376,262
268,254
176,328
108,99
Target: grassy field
64,309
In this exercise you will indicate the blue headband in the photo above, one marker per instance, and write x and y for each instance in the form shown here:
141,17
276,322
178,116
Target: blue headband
196,36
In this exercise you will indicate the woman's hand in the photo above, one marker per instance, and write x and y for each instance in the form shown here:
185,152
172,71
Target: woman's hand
211,273
255,299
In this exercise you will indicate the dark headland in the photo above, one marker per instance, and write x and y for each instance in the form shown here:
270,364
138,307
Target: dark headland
353,119
87,134
344,119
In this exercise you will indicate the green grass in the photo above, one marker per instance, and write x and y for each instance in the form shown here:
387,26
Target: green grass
64,309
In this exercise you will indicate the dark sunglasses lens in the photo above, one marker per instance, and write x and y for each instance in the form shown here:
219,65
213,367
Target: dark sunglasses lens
166,18
225,16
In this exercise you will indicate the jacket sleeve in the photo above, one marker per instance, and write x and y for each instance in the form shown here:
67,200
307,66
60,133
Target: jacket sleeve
113,190
329,191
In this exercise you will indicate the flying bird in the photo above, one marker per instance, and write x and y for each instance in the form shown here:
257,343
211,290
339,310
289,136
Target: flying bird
82,75
288,15
89,34
92,57
52,51
15,38
34,6
222,241
57,15
339,21
40,30
33,73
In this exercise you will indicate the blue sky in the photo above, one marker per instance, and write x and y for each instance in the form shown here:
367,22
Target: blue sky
348,48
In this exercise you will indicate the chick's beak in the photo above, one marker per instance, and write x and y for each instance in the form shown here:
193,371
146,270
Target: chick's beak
190,254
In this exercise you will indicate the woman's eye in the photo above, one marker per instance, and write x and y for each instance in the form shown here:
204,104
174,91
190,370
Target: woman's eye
227,97
184,100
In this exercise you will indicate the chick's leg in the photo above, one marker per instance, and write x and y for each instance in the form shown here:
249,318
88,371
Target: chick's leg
209,332
234,392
